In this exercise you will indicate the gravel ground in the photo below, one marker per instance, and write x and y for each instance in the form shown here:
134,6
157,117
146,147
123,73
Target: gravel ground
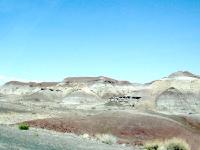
11,138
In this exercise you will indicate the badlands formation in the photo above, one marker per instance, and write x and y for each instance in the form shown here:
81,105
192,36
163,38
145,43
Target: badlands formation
78,109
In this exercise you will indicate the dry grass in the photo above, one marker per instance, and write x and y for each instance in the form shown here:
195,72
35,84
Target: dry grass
153,145
106,138
170,144
176,144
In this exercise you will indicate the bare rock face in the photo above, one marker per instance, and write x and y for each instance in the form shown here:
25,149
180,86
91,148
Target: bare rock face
174,101
170,100
177,93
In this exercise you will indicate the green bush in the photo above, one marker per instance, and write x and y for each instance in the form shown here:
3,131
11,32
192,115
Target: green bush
23,126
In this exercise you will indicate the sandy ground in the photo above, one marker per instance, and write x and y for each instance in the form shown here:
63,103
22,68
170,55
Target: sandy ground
36,139
11,138
13,118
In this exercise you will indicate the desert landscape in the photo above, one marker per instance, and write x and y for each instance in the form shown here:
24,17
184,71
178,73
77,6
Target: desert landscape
99,75
100,113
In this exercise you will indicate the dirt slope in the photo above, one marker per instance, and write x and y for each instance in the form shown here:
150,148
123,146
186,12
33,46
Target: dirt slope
129,127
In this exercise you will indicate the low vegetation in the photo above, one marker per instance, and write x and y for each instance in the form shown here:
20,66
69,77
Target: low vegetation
23,126
172,144
176,144
153,145
106,138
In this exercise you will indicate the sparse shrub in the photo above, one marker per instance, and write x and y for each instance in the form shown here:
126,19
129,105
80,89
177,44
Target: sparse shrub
171,144
152,145
106,138
176,144
93,108
23,126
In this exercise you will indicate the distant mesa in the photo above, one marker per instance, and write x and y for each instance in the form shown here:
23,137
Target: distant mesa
101,79
93,80
68,80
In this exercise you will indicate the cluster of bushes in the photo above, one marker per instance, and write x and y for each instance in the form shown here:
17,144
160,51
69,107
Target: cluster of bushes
172,144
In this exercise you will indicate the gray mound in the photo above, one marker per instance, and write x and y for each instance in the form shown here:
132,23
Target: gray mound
78,97
183,74
173,100
40,96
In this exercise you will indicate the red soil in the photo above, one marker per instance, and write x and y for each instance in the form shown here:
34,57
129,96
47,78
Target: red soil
130,128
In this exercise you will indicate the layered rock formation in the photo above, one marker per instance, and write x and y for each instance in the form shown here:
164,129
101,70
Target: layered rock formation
177,93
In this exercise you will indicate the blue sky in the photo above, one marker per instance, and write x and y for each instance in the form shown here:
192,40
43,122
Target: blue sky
136,40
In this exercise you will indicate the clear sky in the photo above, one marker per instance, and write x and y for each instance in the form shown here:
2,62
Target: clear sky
136,40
